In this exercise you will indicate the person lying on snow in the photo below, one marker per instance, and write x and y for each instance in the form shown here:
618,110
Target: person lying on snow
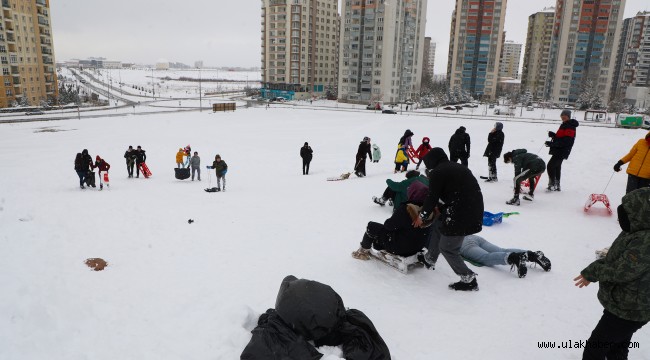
397,235
477,250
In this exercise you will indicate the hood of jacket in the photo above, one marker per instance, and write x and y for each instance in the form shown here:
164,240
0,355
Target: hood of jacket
426,139
571,123
637,207
435,157
518,152
408,133
460,130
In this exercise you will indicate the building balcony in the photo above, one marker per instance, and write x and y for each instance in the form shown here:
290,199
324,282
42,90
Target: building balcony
5,4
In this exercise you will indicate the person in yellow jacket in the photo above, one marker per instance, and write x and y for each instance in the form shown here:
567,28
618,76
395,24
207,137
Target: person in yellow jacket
401,160
638,172
179,158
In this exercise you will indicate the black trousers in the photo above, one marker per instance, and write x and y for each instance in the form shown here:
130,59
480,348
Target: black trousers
611,338
492,167
389,194
137,168
554,168
129,167
635,182
455,158
305,166
360,166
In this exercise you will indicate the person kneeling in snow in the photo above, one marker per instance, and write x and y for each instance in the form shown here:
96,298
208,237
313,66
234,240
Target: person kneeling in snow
478,250
397,235
527,166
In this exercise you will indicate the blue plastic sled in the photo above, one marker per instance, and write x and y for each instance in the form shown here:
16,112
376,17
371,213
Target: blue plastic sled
490,219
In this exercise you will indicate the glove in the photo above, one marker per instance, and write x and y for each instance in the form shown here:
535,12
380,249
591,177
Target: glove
551,134
548,144
618,165
208,167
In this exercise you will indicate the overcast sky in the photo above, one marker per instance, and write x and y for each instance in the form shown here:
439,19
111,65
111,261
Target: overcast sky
221,32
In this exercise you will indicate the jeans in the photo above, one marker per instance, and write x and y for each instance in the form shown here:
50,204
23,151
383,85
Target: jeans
129,167
613,331
219,177
82,177
180,165
449,247
479,250
197,170
635,182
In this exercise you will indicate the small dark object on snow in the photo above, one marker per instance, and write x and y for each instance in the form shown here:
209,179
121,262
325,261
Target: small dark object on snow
182,174
190,221
311,311
213,189
97,264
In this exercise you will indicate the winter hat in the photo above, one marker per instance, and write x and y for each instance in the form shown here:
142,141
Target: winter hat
566,113
462,128
647,138
425,140
97,158
498,126
306,144
365,138
507,157
412,174
435,157
417,192
180,149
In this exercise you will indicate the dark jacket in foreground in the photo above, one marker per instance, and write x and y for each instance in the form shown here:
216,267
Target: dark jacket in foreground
562,141
624,274
454,189
306,311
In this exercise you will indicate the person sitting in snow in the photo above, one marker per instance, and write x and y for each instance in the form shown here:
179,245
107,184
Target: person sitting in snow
376,153
180,163
422,151
401,160
396,192
102,165
478,250
221,168
397,235
527,166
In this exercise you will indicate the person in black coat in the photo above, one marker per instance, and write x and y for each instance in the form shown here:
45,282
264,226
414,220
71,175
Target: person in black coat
360,164
493,150
140,157
397,235
306,153
459,145
560,147
87,167
129,156
456,195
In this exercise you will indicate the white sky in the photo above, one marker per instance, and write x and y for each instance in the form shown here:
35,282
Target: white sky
219,32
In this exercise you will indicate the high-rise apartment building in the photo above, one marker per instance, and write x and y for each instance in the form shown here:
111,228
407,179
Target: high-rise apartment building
476,39
633,59
382,50
534,74
425,60
26,54
299,47
583,49
510,59
430,65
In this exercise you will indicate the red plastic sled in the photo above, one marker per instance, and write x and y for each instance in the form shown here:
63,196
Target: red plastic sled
594,198
412,155
526,183
144,169
106,181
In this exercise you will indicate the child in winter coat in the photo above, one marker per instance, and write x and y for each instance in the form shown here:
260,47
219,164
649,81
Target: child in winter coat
188,155
401,160
102,165
179,158
638,172
195,163
376,153
422,151
221,168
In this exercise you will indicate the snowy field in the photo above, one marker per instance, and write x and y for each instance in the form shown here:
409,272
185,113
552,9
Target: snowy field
175,290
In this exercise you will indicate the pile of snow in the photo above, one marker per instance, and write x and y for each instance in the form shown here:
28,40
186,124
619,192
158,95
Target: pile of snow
174,290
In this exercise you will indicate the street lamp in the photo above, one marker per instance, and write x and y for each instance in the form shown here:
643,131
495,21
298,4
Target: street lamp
200,93
153,89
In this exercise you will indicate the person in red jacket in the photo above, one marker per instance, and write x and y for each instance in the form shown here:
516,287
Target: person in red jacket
422,151
102,165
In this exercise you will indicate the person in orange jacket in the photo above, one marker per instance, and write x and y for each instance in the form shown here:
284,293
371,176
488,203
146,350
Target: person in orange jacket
638,172
179,158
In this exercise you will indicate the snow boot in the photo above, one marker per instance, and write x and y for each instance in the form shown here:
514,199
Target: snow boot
529,197
514,201
557,186
379,200
390,202
518,260
361,254
539,258
426,261
466,283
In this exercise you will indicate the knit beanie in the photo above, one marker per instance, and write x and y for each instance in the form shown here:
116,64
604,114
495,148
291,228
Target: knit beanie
417,192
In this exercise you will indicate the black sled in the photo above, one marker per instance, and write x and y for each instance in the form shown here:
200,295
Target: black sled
90,179
214,189
182,174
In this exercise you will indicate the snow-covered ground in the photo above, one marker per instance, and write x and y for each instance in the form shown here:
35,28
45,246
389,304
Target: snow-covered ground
175,290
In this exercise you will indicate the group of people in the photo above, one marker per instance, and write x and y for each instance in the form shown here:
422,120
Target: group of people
192,161
84,166
134,158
